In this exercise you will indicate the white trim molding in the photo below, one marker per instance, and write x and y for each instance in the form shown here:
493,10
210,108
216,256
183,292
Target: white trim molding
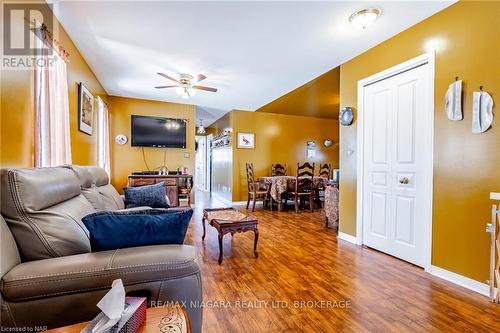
463,281
424,59
240,203
349,238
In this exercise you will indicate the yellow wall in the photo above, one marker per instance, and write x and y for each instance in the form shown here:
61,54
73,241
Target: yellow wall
466,165
279,138
17,113
125,159
317,98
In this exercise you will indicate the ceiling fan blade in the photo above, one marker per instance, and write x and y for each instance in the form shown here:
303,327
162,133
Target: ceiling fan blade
199,77
205,88
161,87
168,77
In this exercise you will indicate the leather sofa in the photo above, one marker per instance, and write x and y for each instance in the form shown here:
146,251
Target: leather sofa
50,277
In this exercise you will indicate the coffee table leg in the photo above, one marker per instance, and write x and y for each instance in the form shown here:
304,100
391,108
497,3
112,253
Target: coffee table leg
220,248
203,221
255,240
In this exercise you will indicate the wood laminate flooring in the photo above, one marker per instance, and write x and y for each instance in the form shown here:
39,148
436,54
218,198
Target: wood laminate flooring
306,280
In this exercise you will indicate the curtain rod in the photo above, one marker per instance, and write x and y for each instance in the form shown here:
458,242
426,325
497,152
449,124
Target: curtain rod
42,32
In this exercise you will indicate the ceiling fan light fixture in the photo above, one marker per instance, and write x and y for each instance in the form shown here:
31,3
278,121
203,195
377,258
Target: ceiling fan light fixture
191,91
362,19
185,95
179,90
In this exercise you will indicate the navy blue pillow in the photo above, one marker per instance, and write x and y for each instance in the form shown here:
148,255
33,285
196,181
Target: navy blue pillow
116,230
149,195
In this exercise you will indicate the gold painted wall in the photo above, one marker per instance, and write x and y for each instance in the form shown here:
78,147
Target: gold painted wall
279,138
466,165
125,159
317,98
17,111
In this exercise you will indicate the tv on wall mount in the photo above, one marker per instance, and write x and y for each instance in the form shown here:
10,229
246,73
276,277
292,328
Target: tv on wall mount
160,132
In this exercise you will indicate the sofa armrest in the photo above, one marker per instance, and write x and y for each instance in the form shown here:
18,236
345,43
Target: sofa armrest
97,270
174,268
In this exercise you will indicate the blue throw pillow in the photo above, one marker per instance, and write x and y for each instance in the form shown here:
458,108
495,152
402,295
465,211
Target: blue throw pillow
149,195
116,230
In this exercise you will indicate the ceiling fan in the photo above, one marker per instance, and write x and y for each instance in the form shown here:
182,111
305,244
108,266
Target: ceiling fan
184,86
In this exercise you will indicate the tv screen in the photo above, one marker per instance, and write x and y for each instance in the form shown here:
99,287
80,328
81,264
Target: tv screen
158,132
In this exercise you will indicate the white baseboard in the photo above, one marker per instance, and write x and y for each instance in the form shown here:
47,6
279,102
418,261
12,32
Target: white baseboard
221,198
348,238
463,281
239,203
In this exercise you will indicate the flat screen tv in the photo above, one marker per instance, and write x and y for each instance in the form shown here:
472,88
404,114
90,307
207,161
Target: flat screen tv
158,132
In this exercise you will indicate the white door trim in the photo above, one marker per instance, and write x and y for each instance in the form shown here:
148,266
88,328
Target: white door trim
426,58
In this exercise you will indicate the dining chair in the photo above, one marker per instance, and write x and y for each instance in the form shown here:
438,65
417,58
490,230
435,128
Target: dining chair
304,185
278,170
325,171
256,190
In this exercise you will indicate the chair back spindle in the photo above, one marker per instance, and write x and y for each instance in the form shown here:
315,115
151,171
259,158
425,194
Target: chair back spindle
325,170
250,177
305,177
278,170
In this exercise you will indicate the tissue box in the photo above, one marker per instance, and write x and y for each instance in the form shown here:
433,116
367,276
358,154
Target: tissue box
132,319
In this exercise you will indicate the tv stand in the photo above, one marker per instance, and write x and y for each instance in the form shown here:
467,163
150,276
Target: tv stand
176,186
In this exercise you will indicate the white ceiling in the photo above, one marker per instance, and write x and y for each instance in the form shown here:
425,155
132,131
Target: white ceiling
253,52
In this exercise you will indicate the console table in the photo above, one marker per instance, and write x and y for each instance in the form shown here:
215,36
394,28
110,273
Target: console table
177,186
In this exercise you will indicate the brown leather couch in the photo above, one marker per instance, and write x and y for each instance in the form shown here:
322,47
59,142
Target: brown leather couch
49,276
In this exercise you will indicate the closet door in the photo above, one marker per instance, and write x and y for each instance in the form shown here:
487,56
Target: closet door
393,198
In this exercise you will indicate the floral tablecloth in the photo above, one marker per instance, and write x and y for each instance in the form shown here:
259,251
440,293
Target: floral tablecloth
279,184
332,204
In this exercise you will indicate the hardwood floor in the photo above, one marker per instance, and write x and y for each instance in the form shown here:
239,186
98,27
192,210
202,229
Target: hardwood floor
300,260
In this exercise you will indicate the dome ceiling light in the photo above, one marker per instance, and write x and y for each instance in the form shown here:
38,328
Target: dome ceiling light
362,19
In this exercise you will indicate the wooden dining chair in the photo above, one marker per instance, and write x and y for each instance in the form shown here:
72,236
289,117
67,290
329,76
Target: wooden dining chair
304,185
256,190
278,170
325,170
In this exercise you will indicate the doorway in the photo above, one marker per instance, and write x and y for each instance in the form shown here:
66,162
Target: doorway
395,160
201,163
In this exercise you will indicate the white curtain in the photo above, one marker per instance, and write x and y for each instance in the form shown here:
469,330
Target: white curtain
103,158
52,135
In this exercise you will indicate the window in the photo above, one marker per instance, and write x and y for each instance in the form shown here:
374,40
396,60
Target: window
52,136
103,156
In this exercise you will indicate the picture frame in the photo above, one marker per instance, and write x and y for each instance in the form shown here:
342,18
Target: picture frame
85,109
246,140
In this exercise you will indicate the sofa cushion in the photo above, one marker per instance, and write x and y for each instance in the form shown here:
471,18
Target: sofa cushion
148,195
94,182
97,270
101,199
112,198
114,230
8,249
43,209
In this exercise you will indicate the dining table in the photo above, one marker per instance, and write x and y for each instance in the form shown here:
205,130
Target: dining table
280,184
332,205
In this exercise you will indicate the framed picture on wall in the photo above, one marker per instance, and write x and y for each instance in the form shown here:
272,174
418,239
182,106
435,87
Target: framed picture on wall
85,109
246,140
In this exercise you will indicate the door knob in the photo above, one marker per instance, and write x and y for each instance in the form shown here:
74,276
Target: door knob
404,180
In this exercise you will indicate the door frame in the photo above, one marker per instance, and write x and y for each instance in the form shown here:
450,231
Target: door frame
429,59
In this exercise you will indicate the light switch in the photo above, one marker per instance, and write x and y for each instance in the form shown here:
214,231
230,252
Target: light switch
187,155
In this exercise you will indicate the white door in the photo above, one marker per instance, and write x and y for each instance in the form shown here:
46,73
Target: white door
200,162
394,162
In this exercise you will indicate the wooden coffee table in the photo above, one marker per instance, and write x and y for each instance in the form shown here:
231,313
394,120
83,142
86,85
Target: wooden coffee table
160,319
230,220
